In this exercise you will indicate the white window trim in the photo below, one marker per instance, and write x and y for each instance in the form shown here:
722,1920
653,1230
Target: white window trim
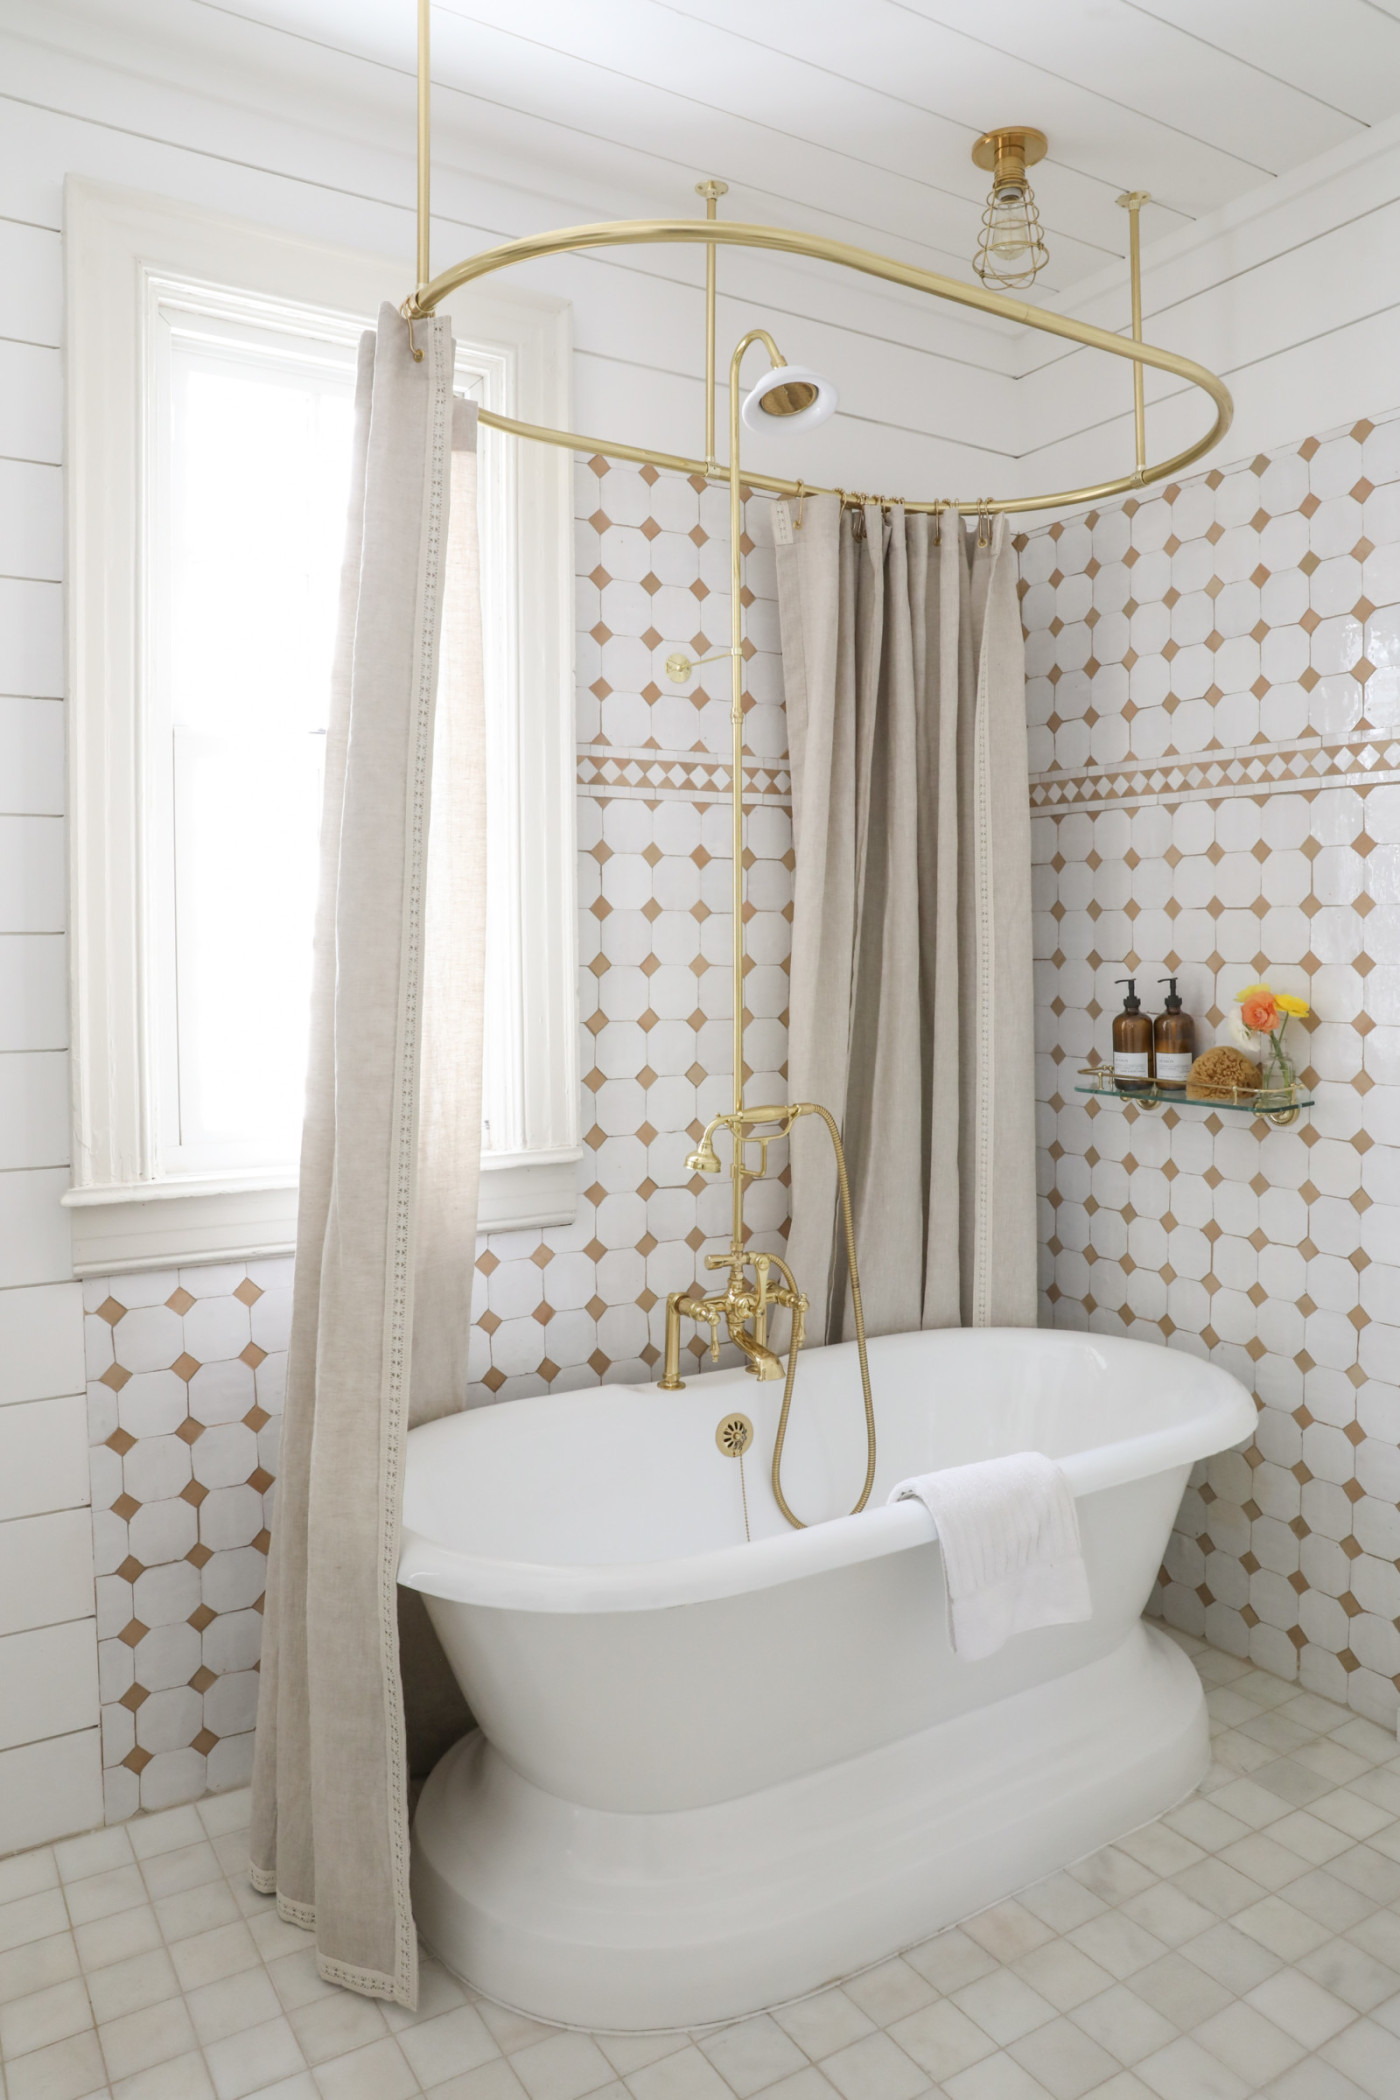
125,1212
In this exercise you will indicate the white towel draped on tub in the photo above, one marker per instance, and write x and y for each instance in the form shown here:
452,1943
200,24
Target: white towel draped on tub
1009,1533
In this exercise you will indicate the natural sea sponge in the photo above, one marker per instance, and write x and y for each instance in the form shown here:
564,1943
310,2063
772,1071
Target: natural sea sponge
1218,1074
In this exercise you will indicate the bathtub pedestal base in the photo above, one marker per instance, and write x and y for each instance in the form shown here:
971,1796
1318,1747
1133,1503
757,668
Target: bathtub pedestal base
602,1920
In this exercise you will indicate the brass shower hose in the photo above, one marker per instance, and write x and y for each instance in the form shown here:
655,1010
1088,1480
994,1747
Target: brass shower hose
814,1108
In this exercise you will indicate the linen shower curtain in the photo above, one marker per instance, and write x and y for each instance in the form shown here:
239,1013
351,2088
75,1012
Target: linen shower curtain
911,1007
390,1156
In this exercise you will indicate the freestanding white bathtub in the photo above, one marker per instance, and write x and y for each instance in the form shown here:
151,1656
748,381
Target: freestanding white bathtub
711,1775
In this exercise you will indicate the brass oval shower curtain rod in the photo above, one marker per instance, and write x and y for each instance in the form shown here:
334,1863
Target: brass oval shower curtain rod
711,233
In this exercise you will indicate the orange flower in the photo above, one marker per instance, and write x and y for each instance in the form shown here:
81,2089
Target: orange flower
1259,1010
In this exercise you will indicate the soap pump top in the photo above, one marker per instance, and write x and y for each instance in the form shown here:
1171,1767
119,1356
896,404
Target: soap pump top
1132,1042
1172,1002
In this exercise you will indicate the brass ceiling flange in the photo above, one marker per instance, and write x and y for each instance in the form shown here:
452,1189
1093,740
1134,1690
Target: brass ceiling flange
1007,152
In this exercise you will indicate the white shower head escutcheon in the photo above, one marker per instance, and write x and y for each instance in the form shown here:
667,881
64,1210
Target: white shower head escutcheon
791,397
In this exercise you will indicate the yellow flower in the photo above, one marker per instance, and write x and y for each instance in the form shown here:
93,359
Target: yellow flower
1292,1004
1253,991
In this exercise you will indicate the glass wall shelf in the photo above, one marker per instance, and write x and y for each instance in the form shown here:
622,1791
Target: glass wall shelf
1279,1104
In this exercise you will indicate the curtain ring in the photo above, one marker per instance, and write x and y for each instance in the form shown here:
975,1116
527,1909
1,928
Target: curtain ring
414,350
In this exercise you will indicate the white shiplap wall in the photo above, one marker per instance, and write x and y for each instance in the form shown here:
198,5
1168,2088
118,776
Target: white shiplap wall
934,401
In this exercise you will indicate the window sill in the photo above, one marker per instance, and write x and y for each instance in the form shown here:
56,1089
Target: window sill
179,1223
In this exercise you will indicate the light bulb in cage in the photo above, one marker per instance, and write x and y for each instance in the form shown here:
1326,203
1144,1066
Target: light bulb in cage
1011,251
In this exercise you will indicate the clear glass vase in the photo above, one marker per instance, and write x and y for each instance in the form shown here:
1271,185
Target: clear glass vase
1279,1076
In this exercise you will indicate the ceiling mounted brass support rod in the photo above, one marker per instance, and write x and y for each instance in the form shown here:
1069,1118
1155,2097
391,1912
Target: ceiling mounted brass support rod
425,145
784,240
1132,202
711,190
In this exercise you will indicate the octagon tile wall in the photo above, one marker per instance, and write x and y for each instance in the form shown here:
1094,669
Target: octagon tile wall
1214,702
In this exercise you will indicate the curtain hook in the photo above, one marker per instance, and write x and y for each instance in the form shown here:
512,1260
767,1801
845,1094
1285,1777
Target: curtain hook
984,522
938,523
412,344
858,518
801,499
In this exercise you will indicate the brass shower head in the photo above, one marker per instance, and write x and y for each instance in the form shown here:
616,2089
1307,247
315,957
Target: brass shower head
792,395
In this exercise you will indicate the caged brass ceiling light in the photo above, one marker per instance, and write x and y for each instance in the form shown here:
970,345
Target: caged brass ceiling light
1012,249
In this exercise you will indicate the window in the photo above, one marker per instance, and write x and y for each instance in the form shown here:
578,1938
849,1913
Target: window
206,557
250,450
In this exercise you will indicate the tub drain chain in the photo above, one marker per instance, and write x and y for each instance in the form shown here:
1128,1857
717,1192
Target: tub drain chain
733,1435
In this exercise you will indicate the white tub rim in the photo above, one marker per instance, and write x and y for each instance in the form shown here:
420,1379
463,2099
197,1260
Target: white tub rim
1227,1418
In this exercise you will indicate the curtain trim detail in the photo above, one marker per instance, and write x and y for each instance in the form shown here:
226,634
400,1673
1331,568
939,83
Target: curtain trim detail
403,1984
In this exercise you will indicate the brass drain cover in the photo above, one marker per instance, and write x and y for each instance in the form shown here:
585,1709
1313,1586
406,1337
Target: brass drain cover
734,1435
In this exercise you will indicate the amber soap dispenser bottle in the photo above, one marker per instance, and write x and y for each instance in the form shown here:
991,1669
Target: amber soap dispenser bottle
1132,1043
1173,1040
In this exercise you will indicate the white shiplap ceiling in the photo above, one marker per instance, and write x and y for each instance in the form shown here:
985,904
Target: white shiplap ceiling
858,120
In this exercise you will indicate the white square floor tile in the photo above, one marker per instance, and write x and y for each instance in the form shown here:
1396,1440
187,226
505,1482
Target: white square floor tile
1245,1945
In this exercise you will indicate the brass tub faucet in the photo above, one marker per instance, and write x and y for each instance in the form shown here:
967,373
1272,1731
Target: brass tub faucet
742,1308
